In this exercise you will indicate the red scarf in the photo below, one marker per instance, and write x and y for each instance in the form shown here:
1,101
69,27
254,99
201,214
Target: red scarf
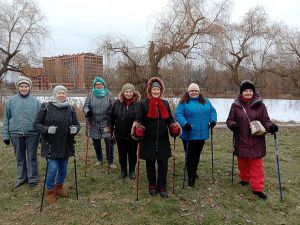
247,99
152,112
128,101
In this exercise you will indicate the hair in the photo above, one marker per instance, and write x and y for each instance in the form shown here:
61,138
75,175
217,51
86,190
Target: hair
186,98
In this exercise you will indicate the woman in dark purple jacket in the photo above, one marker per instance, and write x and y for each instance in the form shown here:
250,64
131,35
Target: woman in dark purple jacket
250,149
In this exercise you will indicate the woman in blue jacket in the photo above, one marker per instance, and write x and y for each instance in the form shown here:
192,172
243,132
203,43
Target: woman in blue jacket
196,116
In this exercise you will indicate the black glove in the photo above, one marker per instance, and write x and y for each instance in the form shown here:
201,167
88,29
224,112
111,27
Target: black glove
273,128
234,127
187,127
88,114
212,124
7,142
112,139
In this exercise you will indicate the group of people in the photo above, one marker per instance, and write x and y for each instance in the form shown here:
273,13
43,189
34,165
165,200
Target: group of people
130,121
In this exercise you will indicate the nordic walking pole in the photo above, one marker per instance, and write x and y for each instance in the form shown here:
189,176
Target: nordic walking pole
86,148
138,172
185,163
75,170
232,165
43,193
108,160
174,165
212,153
278,167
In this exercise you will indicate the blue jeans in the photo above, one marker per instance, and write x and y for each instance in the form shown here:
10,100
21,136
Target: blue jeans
25,149
109,149
57,171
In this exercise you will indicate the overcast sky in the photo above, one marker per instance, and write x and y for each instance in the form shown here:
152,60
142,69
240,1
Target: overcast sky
74,24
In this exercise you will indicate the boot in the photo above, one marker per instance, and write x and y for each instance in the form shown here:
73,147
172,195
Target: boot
260,194
152,190
59,190
132,175
162,192
50,195
123,174
191,182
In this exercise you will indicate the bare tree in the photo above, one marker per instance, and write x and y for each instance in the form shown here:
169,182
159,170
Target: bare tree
181,29
236,42
22,32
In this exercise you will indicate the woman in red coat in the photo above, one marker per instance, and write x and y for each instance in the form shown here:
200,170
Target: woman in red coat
250,149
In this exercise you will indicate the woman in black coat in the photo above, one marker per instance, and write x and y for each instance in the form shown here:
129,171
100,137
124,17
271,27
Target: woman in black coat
152,125
122,115
58,124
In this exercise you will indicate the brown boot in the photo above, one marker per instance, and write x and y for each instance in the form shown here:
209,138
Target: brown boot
51,197
59,190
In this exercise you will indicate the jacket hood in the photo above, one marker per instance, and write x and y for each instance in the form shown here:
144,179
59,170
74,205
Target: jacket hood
136,97
161,83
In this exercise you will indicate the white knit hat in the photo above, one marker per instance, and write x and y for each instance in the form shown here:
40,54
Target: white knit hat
59,88
193,86
23,79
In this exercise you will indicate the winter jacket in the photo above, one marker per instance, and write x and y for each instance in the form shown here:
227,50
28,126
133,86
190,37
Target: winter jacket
155,143
19,115
246,144
61,144
122,116
98,124
198,115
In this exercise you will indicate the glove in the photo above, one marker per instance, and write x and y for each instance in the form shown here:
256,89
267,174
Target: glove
187,127
52,130
88,114
174,131
273,128
73,129
212,124
234,127
7,142
139,132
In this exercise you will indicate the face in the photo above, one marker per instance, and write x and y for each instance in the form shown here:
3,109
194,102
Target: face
248,93
194,93
128,94
61,96
24,88
155,92
99,85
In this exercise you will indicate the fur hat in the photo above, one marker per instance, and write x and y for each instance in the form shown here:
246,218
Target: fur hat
23,79
247,84
193,86
128,86
59,88
155,82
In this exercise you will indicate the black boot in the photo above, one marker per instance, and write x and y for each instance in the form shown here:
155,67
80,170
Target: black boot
123,174
162,192
243,183
260,194
132,175
152,190
191,182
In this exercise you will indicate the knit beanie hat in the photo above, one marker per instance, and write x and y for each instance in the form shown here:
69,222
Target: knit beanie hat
193,87
59,88
128,86
247,84
23,79
155,84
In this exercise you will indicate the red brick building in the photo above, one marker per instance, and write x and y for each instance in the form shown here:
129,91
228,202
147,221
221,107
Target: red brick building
73,71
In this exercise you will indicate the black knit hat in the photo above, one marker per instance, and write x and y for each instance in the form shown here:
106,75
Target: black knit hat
247,84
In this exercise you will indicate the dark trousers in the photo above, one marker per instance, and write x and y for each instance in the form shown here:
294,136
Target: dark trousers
161,182
127,148
109,147
193,149
25,148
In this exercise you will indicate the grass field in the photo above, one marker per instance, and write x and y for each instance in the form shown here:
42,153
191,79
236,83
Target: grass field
105,199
